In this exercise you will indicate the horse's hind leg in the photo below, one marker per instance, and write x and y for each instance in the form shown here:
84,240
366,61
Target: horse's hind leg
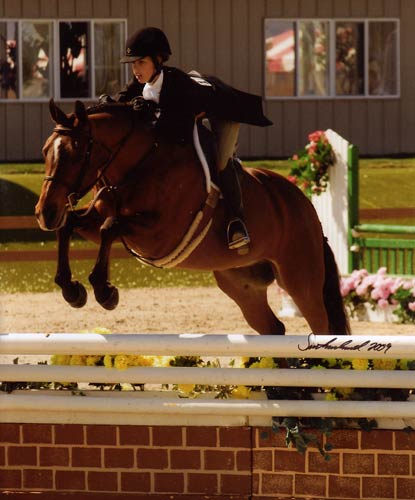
247,286
73,292
105,293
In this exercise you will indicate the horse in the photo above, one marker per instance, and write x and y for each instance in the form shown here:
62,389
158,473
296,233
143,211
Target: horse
151,194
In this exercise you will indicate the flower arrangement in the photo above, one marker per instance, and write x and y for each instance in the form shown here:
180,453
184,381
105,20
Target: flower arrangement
379,290
310,169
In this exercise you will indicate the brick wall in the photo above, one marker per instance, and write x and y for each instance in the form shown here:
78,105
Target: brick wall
232,463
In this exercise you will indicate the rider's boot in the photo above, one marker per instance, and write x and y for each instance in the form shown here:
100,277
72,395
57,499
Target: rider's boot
229,183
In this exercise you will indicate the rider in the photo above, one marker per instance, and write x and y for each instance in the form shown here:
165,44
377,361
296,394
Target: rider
178,98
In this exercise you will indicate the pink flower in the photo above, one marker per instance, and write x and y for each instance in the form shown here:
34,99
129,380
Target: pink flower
292,178
295,157
315,136
411,306
383,304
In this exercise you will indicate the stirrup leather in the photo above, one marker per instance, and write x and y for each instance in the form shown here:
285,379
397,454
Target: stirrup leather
237,234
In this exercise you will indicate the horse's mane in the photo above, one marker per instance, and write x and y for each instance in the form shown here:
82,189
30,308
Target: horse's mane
110,107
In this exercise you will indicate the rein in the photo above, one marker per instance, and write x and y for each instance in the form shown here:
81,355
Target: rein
77,194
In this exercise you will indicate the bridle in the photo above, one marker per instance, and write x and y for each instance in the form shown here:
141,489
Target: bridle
78,193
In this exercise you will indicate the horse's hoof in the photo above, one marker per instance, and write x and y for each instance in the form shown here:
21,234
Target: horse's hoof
76,296
112,299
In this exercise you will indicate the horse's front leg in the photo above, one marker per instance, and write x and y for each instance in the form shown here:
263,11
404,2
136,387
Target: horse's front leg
73,292
105,293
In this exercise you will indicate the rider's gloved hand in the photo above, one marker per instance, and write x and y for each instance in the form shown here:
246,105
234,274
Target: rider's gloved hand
143,105
105,99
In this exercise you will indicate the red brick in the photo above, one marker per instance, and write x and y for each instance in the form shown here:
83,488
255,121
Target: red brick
152,459
268,438
281,484
53,456
184,459
102,481
70,480
136,481
378,487
86,457
134,435
219,460
38,478
344,487
2,455
37,433
169,482
233,483
69,434
395,465
167,436
101,434
122,458
201,436
235,437
377,440
11,478
405,440
310,484
344,439
202,483
405,488
355,463
243,460
317,463
262,460
289,460
9,433
22,455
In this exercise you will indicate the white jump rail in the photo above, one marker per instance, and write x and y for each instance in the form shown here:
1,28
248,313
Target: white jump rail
307,346
104,407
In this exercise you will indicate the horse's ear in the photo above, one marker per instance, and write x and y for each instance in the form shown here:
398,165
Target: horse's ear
57,115
80,112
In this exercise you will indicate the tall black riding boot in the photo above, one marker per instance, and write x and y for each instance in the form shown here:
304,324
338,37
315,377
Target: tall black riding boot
238,237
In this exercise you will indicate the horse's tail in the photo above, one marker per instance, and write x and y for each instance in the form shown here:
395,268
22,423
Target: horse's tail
338,320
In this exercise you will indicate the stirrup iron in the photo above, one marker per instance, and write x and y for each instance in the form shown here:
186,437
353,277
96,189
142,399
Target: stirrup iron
237,234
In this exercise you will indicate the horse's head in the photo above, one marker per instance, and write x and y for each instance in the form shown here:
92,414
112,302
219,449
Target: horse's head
67,159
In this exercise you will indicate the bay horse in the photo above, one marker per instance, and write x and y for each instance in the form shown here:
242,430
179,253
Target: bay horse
152,196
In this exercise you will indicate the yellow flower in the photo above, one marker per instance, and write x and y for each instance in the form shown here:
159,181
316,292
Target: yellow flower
186,388
121,362
162,361
255,365
240,392
60,359
344,391
267,363
331,397
93,360
384,364
108,361
360,364
77,360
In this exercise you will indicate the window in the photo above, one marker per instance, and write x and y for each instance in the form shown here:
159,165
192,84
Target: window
331,58
62,59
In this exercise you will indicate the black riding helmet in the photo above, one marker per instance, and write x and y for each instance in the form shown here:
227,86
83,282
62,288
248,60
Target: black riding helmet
150,42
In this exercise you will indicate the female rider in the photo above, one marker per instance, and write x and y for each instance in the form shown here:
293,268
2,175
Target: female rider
178,98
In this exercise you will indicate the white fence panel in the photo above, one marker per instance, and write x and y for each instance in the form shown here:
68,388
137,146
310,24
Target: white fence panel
332,205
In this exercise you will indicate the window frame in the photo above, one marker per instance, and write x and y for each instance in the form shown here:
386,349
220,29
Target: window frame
332,59
54,59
